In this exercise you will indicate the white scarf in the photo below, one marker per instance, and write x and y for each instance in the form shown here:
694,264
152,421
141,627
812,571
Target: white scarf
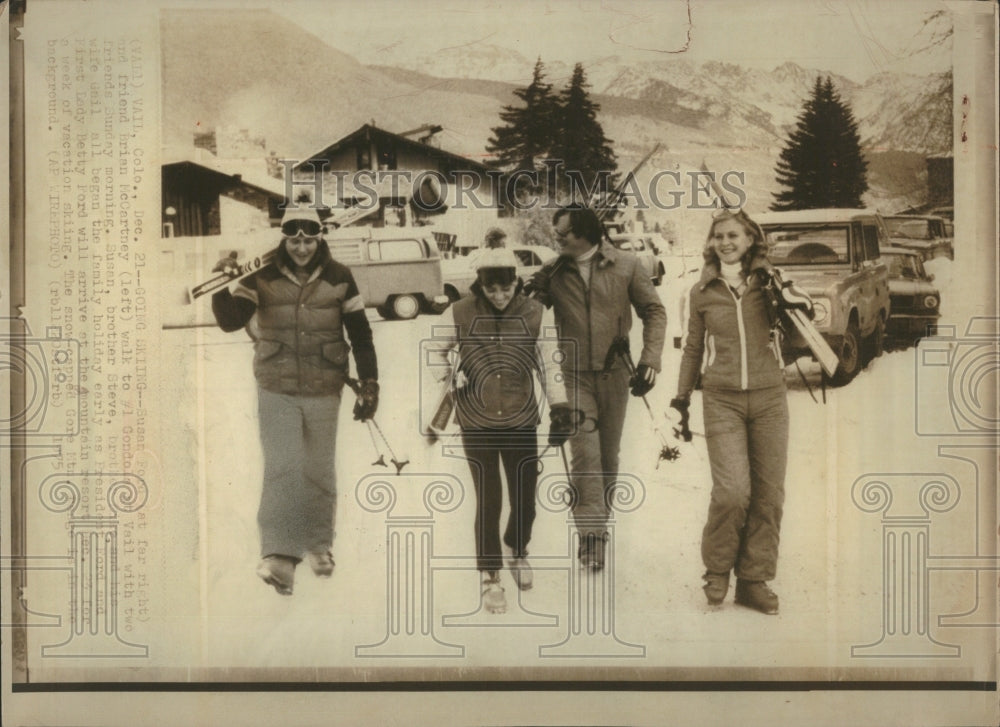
732,274
584,263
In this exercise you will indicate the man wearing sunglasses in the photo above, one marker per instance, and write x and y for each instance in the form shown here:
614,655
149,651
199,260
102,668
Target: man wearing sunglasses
592,288
304,304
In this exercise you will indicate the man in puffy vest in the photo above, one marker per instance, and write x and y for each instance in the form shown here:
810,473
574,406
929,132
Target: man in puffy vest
303,303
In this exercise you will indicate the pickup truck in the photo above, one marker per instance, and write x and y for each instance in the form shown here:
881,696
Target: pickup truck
835,256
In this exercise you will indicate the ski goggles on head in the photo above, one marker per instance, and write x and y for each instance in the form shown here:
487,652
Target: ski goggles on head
724,210
301,228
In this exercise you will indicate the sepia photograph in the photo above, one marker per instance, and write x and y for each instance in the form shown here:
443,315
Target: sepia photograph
567,362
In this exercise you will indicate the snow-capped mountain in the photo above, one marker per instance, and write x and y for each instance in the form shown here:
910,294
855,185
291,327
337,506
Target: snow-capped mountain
302,93
905,112
894,111
482,61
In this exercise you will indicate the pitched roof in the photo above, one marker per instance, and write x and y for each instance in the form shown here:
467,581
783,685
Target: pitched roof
231,170
370,131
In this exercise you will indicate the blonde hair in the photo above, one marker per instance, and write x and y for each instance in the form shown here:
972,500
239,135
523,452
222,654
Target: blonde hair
758,245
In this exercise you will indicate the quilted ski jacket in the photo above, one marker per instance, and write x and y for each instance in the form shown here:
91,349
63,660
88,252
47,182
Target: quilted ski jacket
301,348
731,334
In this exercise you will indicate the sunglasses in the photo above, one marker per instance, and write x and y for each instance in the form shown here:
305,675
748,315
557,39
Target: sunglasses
303,228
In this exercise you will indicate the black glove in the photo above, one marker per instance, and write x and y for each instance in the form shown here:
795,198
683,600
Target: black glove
794,298
227,265
367,403
681,405
642,380
563,422
537,286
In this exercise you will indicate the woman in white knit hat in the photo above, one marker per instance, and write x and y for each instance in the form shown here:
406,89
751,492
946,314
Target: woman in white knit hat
497,333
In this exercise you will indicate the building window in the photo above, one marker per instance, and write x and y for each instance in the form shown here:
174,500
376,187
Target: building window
387,158
364,157
394,250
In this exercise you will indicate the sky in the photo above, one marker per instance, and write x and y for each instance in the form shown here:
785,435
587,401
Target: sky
856,38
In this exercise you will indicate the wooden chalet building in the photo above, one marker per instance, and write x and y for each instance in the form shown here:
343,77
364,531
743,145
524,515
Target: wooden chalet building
380,152
193,190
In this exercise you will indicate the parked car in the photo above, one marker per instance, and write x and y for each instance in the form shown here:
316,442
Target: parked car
915,299
946,213
459,273
834,255
927,234
397,269
642,247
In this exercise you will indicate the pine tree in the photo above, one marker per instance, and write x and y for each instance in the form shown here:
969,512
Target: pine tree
822,164
527,133
580,143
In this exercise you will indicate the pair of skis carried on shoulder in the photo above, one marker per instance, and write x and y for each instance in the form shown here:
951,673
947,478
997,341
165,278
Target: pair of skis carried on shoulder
796,318
801,323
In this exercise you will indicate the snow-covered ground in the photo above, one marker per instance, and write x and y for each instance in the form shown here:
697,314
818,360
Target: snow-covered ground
651,613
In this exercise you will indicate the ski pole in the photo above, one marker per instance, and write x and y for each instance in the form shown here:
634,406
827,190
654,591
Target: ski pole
397,463
380,462
374,428
562,451
620,347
